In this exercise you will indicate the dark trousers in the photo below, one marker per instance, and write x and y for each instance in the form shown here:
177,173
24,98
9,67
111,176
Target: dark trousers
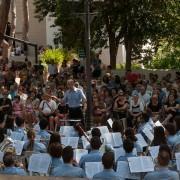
76,113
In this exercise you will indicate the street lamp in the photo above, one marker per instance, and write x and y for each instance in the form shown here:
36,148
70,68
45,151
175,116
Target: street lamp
88,59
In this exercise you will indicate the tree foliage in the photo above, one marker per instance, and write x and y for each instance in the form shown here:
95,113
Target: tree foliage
131,22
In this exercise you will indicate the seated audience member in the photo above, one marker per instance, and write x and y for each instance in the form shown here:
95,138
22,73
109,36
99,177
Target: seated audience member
20,123
32,145
130,134
6,143
94,155
67,169
170,130
136,108
154,107
120,106
55,151
17,107
45,136
128,147
159,136
171,108
10,168
108,172
162,172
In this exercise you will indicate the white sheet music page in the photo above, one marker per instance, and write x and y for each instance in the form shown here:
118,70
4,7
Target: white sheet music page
78,153
154,150
148,134
158,123
92,168
107,138
68,131
103,129
18,147
85,142
124,171
141,164
39,163
177,155
73,142
141,141
110,122
70,141
147,163
117,139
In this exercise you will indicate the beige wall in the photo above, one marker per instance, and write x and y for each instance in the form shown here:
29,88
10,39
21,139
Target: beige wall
37,30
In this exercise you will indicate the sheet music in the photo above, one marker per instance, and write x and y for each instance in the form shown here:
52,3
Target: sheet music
158,123
1,156
124,171
78,153
121,152
141,164
92,168
149,126
110,122
103,129
114,139
154,150
39,163
148,134
18,147
151,122
68,131
85,142
117,139
141,140
177,155
70,141
17,136
147,163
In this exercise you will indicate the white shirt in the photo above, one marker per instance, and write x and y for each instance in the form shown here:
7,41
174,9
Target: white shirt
48,106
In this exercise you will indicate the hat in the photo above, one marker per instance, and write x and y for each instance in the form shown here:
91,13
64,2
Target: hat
135,93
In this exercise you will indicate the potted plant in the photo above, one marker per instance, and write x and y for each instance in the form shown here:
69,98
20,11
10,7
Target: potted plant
52,59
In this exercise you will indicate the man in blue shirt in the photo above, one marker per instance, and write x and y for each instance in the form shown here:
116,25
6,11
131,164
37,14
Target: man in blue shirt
45,136
75,99
67,169
10,169
94,155
162,172
20,123
108,173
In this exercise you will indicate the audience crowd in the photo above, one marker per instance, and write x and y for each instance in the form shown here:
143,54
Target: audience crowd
36,105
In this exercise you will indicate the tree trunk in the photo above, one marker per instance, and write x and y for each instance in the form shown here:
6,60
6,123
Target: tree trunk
128,47
112,50
25,25
4,12
26,20
13,21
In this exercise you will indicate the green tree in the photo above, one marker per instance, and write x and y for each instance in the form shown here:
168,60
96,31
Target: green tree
132,22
